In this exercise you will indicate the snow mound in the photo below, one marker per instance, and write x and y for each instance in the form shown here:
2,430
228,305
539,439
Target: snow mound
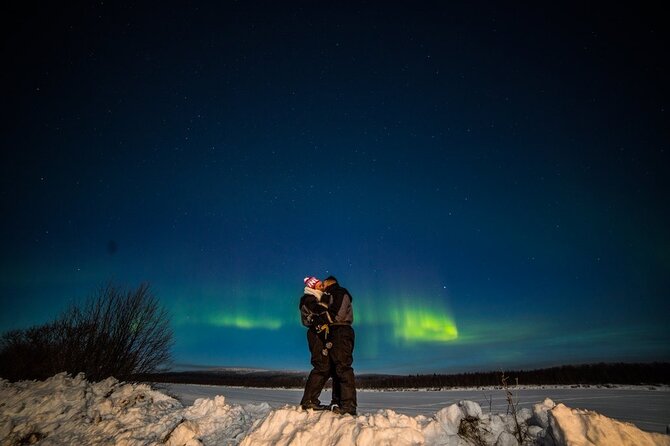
212,421
288,426
584,427
65,410
70,410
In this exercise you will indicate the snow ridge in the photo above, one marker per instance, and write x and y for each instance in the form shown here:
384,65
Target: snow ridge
71,410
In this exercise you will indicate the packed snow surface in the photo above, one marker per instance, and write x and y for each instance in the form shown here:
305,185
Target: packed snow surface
70,410
648,407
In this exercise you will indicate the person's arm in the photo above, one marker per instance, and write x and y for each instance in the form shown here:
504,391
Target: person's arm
306,315
313,312
321,319
319,312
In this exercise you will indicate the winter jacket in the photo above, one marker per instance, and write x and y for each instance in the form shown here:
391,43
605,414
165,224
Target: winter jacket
313,312
339,301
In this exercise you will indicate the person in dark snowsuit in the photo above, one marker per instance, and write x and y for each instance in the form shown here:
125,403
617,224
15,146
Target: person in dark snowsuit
341,314
314,315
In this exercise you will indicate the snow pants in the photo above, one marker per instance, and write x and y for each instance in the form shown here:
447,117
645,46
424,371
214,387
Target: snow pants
336,364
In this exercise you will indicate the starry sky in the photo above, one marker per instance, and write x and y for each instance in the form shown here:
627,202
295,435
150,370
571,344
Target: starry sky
489,182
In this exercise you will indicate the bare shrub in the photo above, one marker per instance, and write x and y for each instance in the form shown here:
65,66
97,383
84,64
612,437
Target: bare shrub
114,333
470,429
520,432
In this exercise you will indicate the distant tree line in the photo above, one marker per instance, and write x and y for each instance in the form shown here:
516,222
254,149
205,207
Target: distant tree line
114,333
262,379
586,374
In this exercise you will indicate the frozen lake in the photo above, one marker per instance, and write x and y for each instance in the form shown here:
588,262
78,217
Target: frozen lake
647,409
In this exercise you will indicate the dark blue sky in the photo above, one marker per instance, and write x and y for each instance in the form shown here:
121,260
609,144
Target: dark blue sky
490,183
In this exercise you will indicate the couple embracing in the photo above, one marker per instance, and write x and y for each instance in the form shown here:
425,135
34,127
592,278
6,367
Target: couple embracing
326,309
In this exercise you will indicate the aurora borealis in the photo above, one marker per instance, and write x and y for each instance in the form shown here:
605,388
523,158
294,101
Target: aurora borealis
491,184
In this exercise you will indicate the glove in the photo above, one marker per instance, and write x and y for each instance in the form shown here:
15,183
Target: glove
323,327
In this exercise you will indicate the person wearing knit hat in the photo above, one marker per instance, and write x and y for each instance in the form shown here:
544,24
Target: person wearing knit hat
314,315
338,363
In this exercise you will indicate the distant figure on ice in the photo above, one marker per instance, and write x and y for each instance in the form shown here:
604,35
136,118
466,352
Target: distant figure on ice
339,357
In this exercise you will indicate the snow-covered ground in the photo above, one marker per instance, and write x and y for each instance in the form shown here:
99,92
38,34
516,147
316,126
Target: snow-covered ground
647,409
66,410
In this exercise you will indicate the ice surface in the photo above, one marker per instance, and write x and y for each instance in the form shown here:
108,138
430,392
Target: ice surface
70,410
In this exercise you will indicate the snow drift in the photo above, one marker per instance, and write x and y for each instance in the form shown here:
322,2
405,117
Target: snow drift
71,410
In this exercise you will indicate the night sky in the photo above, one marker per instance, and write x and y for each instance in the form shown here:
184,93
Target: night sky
491,183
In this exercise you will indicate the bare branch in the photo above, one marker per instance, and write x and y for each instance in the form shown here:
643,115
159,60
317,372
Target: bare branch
116,332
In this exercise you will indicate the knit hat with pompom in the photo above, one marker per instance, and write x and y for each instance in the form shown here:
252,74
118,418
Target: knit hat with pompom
311,281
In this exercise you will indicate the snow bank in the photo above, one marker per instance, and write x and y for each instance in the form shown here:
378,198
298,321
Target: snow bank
212,421
289,426
584,427
63,410
67,410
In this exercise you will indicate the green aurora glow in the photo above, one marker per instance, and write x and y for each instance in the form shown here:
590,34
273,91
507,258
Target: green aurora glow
422,324
244,322
410,320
